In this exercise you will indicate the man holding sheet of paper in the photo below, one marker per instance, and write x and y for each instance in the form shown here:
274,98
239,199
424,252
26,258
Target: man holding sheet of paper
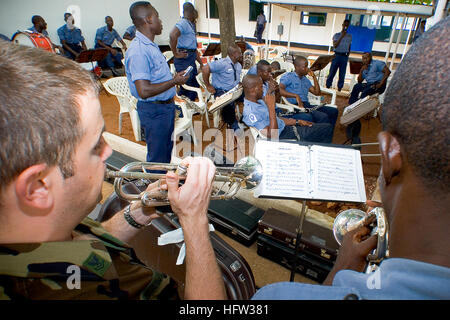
261,115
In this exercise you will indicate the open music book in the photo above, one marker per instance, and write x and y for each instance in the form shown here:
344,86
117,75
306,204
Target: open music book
226,98
301,171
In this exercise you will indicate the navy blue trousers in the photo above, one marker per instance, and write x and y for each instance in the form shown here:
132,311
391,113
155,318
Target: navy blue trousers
157,120
319,132
181,65
259,32
339,62
360,91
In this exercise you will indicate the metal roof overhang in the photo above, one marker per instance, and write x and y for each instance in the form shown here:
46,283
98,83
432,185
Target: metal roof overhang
355,7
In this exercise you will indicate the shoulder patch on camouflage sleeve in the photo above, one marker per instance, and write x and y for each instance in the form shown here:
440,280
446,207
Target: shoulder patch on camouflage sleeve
96,264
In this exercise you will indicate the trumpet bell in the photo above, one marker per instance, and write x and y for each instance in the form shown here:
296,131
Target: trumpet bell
251,169
346,221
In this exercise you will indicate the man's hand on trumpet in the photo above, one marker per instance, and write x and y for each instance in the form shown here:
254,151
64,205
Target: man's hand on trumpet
190,202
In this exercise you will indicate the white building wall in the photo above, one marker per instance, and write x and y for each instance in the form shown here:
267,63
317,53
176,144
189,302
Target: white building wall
304,34
16,15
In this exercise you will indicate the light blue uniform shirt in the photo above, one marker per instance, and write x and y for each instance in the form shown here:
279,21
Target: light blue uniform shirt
188,37
344,45
223,75
261,19
73,36
33,29
106,36
144,61
374,73
399,279
253,70
257,115
297,85
131,30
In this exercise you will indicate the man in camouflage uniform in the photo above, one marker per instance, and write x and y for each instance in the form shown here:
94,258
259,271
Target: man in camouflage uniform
52,164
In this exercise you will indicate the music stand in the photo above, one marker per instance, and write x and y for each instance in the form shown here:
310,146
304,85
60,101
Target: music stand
355,66
321,62
213,49
297,241
91,56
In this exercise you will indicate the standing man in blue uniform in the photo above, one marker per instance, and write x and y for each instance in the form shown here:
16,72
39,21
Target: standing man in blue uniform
341,44
71,38
183,42
375,73
152,83
295,87
104,38
260,26
226,74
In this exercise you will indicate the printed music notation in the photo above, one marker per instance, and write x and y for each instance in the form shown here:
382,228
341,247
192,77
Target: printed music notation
310,172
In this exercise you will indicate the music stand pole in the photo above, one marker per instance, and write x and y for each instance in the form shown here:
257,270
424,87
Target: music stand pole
297,240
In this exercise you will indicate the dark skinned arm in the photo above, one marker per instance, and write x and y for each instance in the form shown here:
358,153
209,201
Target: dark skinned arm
288,94
68,48
273,125
338,41
356,245
110,49
315,89
127,36
146,89
386,73
206,72
173,42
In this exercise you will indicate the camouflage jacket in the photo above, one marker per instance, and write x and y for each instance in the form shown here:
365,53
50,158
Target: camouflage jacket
101,267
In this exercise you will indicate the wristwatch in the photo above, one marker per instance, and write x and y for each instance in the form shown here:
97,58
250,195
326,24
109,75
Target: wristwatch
296,122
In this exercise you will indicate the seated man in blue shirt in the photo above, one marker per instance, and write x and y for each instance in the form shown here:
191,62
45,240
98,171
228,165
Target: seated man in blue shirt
376,73
264,71
226,74
414,186
261,115
40,26
152,83
130,33
183,42
104,38
71,38
295,86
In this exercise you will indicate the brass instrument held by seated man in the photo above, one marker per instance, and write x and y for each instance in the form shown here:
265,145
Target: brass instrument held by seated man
246,173
351,219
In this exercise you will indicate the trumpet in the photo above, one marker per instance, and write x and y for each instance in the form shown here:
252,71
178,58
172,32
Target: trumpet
351,219
246,173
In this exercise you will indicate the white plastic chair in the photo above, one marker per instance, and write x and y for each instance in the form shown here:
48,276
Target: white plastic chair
200,106
118,86
185,123
281,52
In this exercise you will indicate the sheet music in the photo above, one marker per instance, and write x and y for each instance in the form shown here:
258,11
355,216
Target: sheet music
310,172
285,167
337,174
